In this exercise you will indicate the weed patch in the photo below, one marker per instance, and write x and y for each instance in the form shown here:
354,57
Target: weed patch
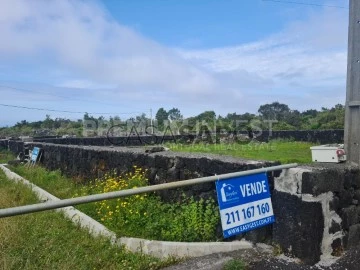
144,215
5,156
48,241
235,264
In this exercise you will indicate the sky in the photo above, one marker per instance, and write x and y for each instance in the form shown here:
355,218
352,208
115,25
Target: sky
121,57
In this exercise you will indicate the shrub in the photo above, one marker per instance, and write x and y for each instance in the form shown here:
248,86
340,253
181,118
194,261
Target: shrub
145,215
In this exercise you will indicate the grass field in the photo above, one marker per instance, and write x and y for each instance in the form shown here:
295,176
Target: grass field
48,241
283,151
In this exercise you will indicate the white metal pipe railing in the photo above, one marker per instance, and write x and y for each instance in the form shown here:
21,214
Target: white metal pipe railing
20,210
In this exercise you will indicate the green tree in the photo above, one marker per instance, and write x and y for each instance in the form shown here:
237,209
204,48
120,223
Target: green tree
275,110
311,112
174,114
207,116
293,118
161,116
48,122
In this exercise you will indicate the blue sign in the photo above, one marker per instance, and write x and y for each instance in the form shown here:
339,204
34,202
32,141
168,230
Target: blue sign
35,154
244,203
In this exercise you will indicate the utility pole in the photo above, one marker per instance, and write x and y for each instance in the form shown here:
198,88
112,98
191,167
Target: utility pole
352,105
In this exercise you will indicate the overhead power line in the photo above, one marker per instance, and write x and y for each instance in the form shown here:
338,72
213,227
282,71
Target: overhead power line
51,110
34,91
55,95
304,3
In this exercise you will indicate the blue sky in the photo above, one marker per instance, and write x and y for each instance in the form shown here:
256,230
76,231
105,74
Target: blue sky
125,57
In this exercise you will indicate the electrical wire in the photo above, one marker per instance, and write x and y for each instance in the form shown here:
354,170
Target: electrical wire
51,110
304,3
55,95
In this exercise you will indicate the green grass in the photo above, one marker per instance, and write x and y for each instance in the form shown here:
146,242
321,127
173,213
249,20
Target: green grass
277,150
235,264
150,218
47,240
55,183
5,156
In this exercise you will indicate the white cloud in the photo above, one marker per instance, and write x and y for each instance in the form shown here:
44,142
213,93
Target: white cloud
83,84
74,45
307,57
81,37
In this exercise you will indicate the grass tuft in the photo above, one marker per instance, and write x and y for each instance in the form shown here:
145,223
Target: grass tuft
235,264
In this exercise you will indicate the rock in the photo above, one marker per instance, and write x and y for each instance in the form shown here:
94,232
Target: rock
357,195
317,182
337,247
299,226
354,236
350,216
156,149
335,227
346,198
15,162
334,204
260,235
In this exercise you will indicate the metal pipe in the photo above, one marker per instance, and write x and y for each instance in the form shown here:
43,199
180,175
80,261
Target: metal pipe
20,210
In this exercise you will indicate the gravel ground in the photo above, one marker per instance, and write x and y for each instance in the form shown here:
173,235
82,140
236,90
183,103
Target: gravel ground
261,258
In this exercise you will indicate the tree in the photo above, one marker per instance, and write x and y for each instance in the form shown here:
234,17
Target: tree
21,124
161,116
117,120
207,116
48,122
239,121
331,118
310,112
293,118
141,118
274,110
174,114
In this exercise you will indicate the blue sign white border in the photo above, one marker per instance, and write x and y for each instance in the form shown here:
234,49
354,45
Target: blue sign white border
240,213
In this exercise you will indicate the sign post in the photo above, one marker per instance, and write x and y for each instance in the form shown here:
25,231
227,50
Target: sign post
244,203
35,154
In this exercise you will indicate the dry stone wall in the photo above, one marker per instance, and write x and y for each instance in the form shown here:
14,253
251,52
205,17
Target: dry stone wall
317,207
315,136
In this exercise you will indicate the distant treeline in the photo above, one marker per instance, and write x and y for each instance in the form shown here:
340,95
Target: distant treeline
276,116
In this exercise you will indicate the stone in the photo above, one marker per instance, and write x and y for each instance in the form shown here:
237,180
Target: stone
355,178
15,162
318,182
348,179
334,204
260,235
335,227
357,195
345,198
299,226
354,236
156,149
337,247
350,216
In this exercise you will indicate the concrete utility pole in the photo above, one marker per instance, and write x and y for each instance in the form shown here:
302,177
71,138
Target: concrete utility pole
352,105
